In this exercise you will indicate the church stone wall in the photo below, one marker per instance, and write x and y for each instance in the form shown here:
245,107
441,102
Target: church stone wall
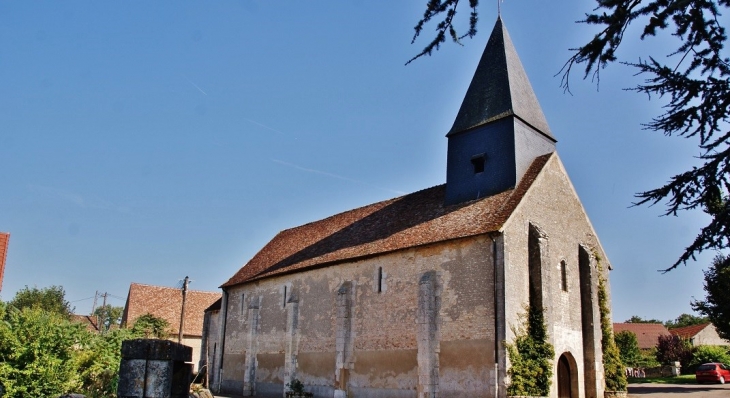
210,344
426,326
551,205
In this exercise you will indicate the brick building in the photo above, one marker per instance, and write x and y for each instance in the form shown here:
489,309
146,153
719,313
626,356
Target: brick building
415,296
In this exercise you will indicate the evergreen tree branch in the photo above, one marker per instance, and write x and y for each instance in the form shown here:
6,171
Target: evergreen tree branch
447,8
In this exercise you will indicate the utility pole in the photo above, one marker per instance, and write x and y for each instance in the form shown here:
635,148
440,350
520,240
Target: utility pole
104,312
182,310
93,306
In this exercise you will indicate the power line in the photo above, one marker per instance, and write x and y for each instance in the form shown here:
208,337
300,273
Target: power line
74,301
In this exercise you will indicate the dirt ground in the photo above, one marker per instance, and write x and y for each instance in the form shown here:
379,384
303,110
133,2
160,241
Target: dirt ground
679,390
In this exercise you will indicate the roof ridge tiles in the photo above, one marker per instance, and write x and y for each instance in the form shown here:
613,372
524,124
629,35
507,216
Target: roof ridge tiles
412,220
173,288
359,208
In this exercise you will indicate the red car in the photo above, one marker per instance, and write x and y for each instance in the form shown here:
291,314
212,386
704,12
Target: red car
715,372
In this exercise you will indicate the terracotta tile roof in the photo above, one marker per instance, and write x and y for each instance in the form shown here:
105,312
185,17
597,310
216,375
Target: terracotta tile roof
166,303
215,306
647,334
88,320
4,240
408,221
688,332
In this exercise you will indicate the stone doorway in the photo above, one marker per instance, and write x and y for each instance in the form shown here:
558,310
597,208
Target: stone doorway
567,377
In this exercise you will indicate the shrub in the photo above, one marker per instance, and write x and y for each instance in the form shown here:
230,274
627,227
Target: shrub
709,353
296,386
151,327
628,348
530,354
672,349
98,363
36,352
648,358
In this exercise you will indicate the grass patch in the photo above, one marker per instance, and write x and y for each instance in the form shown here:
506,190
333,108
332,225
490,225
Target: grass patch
683,379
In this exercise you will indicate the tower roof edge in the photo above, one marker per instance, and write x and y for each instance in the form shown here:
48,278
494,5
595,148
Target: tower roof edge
500,88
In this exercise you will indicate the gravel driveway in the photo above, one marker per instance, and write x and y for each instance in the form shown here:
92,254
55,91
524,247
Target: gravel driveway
679,390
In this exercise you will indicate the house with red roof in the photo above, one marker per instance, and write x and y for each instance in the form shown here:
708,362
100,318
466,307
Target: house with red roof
415,296
704,334
90,322
166,303
647,334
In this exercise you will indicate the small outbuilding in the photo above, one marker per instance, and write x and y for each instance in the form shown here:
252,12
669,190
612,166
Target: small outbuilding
704,334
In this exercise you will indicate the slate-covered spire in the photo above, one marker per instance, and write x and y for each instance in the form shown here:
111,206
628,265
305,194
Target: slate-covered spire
500,129
500,88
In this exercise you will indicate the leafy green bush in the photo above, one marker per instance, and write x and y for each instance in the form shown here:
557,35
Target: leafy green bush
648,358
530,355
50,299
628,347
98,363
44,354
151,327
710,353
36,352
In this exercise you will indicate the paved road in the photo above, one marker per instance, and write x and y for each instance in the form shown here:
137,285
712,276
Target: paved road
679,390
664,391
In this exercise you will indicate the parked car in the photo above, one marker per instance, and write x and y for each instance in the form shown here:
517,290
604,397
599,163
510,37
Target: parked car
715,372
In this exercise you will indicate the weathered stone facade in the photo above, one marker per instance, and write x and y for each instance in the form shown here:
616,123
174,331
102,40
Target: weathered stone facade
433,331
210,341
552,205
350,337
416,296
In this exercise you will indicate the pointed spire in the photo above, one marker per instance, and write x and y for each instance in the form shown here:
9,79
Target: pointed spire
499,89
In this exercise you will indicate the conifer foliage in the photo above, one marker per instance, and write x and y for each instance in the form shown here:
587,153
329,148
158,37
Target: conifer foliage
716,305
447,8
694,78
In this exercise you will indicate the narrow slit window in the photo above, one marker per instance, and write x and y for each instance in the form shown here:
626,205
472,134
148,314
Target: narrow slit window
564,276
380,279
478,162
243,304
284,303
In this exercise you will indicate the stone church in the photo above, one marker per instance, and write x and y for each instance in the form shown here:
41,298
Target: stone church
415,296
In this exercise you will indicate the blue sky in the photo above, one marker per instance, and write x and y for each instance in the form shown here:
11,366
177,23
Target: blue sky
147,141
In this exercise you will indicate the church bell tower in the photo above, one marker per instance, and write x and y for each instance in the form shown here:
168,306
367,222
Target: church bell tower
500,128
